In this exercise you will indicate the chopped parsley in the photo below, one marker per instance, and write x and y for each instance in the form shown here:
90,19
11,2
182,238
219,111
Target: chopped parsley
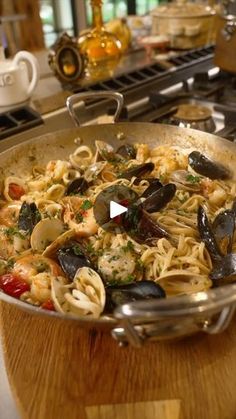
77,250
87,204
193,179
14,231
129,247
79,217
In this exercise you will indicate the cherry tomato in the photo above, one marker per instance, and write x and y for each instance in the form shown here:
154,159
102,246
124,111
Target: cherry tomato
13,285
15,191
48,305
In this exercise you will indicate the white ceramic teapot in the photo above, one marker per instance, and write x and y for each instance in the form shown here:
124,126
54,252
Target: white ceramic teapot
15,83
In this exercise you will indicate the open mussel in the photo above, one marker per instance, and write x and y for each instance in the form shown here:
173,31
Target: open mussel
138,171
206,167
224,270
223,228
29,216
160,198
154,185
207,235
72,257
135,291
127,151
77,186
140,226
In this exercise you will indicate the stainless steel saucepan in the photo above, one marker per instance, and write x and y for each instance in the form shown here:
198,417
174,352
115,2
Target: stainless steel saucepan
209,311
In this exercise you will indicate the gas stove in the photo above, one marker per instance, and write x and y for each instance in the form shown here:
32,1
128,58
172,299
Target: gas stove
186,90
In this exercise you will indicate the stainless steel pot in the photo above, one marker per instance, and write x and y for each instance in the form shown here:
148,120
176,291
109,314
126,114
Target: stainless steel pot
225,51
210,311
188,25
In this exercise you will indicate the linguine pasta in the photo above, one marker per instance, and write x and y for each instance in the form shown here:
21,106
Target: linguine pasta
180,263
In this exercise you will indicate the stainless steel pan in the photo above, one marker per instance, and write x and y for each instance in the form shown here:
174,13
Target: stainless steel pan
209,311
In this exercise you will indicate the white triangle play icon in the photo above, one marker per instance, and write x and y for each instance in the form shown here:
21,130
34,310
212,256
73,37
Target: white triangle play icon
116,209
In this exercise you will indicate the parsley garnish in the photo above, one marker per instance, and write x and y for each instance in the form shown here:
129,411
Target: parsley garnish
77,250
79,217
129,247
14,231
193,179
87,204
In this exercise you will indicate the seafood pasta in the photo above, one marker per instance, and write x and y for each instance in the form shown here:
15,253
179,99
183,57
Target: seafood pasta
175,239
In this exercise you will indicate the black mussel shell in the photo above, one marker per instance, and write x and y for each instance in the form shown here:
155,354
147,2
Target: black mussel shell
160,198
138,224
127,151
137,171
225,270
207,167
223,229
154,185
71,258
207,236
77,186
142,290
29,216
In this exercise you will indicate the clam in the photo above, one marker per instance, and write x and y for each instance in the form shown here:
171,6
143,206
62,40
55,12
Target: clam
93,170
159,199
138,171
186,181
60,241
127,151
135,291
106,151
207,235
72,257
45,232
223,229
206,167
29,216
85,296
77,186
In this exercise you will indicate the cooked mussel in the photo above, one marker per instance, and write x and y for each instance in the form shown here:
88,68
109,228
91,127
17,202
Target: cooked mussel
135,291
206,167
29,216
186,181
159,199
140,226
223,229
77,186
138,171
72,257
207,235
127,151
225,270
154,185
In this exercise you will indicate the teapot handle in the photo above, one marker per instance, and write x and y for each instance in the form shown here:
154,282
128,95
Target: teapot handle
28,57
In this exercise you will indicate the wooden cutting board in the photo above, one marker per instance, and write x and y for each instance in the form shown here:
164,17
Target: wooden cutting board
59,371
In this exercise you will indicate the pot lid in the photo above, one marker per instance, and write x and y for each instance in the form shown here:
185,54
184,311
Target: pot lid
181,9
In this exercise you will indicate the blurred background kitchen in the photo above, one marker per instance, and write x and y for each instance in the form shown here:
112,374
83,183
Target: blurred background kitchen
166,57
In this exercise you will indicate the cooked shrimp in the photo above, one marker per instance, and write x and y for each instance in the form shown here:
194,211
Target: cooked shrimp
9,213
30,266
79,216
41,287
7,247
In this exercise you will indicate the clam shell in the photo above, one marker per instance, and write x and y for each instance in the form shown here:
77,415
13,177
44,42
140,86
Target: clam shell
93,170
60,241
45,232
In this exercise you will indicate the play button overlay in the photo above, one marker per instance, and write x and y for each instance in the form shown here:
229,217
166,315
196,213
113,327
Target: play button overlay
116,209
111,204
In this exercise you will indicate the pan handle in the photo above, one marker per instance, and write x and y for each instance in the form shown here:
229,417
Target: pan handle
81,97
175,317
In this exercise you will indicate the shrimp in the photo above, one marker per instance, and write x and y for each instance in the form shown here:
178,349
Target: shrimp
30,266
9,213
7,246
79,216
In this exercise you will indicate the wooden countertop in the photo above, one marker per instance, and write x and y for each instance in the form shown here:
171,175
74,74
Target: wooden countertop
58,370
